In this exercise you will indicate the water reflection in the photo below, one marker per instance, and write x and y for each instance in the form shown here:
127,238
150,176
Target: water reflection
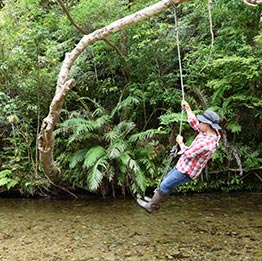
197,227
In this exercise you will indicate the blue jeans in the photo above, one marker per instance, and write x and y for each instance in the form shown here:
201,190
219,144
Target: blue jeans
173,179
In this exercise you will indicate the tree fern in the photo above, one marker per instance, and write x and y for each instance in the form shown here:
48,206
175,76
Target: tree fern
110,150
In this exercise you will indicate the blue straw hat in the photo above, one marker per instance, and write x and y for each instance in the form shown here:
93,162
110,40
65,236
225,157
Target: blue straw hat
210,118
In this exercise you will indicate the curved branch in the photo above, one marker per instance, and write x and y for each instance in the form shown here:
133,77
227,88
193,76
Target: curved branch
83,31
252,2
46,138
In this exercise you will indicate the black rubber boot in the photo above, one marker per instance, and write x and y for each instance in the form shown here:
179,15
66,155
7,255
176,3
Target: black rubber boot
154,203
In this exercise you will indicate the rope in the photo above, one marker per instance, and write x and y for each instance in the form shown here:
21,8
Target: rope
180,67
179,55
174,150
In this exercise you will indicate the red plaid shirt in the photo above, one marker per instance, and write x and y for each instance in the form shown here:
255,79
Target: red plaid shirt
195,157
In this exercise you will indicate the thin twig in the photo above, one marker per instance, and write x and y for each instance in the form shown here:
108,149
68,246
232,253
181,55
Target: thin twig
234,170
258,176
212,35
60,187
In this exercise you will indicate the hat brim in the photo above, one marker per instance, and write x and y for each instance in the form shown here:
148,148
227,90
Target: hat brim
205,120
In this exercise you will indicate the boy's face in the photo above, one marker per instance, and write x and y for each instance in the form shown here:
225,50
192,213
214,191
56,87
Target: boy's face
204,126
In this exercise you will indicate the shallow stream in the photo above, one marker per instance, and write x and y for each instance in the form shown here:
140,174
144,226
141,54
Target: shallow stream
196,227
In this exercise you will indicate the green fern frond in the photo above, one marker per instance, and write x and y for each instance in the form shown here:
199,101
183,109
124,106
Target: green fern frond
127,164
77,157
111,174
148,134
84,126
99,109
116,148
128,102
219,86
99,112
78,125
148,165
111,136
123,160
6,172
234,127
82,137
93,155
119,131
171,118
96,173
125,127
132,164
141,180
94,178
100,122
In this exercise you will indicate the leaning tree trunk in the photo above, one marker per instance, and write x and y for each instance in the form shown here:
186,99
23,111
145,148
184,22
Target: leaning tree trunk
64,85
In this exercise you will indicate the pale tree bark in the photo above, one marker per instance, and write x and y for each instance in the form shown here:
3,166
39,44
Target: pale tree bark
252,2
64,85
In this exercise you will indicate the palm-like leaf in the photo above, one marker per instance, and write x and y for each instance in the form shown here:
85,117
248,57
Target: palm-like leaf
148,134
171,118
116,148
96,173
131,166
101,121
77,157
128,102
124,127
121,130
93,155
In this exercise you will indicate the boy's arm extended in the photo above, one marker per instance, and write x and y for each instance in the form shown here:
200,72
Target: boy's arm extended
192,119
188,109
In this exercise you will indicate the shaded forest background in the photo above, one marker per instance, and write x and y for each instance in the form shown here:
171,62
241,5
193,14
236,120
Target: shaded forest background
119,122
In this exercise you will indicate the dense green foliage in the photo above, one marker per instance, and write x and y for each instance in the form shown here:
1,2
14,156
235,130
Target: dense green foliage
119,123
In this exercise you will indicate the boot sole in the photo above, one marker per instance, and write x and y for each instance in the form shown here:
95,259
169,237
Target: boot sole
147,199
142,203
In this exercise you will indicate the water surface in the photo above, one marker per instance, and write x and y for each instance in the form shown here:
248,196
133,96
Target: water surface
196,227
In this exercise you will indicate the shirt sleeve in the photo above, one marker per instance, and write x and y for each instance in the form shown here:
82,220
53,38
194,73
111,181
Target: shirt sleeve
194,123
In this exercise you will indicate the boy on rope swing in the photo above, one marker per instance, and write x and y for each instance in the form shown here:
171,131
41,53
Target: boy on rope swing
193,158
